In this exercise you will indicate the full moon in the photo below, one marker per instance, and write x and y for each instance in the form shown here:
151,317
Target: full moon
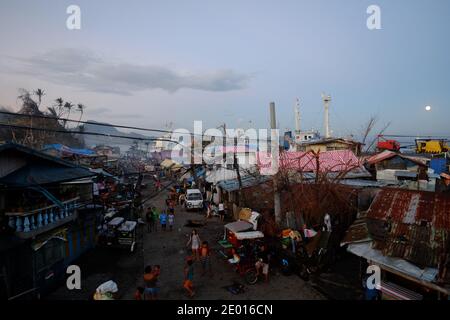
428,108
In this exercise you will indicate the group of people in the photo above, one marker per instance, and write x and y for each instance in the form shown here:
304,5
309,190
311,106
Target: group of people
150,289
154,217
200,252
262,256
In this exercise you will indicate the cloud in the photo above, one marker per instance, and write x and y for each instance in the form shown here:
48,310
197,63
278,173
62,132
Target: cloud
87,71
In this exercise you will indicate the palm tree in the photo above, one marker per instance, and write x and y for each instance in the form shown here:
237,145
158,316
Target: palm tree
52,111
29,106
81,108
68,106
40,93
59,104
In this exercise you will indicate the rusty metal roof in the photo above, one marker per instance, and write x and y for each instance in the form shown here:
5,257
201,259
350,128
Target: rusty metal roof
412,207
414,225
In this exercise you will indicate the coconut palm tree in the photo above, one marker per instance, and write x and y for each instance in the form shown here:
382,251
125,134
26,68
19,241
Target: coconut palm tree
80,109
40,93
60,106
68,106
52,112
29,106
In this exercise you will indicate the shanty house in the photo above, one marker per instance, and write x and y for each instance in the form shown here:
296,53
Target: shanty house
399,169
45,219
407,234
330,144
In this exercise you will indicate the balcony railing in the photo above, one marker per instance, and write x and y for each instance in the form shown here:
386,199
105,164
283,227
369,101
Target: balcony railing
42,219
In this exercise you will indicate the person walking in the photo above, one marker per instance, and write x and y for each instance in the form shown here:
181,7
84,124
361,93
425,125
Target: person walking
221,211
149,219
181,199
209,210
171,219
155,218
188,283
205,258
163,220
194,241
150,279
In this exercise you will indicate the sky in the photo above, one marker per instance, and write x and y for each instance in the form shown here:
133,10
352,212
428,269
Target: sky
149,63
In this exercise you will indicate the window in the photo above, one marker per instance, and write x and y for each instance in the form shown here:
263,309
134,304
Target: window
194,196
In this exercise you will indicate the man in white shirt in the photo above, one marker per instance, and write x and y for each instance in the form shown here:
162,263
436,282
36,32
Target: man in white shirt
221,211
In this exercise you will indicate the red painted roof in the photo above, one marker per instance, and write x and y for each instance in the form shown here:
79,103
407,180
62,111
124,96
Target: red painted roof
331,161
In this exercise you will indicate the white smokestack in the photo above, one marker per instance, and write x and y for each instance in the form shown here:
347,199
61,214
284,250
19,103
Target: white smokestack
297,116
326,102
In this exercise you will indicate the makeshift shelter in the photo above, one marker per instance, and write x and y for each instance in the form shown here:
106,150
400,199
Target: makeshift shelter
406,233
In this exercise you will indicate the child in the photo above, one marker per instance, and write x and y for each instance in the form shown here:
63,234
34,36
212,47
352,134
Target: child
188,278
235,258
171,218
149,219
205,257
138,294
194,241
181,199
155,218
163,220
222,211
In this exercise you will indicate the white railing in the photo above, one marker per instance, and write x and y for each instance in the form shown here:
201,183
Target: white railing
42,217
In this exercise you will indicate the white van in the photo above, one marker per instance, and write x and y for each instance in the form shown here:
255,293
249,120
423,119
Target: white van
194,199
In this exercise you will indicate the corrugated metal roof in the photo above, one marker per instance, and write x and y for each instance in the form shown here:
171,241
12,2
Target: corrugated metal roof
247,181
412,207
414,225
386,154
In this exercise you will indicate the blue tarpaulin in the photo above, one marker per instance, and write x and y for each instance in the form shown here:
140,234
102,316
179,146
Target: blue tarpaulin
438,165
68,150
199,172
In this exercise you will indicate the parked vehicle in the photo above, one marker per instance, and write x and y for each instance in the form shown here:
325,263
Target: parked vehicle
194,199
119,233
431,146
240,242
385,144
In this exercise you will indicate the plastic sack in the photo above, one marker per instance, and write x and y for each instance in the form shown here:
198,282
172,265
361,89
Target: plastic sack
108,286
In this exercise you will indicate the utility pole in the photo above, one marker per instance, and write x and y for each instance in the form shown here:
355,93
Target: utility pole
236,164
193,168
274,148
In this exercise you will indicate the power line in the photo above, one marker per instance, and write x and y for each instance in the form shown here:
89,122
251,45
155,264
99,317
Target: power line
42,116
414,136
12,126
84,122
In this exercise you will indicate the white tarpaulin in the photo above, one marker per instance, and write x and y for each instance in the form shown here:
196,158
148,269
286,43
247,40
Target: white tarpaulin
249,235
239,226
